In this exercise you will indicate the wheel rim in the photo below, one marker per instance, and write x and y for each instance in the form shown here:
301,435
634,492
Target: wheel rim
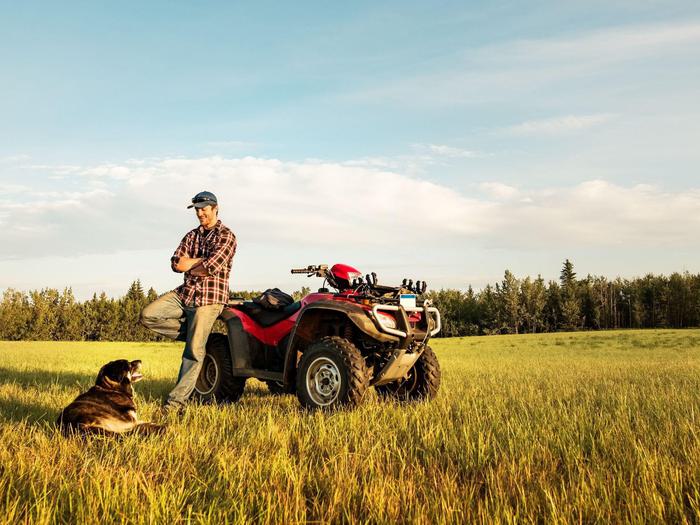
323,381
208,376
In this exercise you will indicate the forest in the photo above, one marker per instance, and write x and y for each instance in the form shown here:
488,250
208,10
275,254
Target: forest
513,305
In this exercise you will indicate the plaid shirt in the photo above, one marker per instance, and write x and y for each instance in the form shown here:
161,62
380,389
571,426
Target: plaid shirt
216,247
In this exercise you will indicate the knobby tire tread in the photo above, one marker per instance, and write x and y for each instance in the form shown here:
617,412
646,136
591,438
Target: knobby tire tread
427,370
351,359
431,373
230,388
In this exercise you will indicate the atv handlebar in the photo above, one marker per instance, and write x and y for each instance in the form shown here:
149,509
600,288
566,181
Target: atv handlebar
368,285
320,270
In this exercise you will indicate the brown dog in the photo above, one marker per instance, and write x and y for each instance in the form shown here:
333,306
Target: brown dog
108,407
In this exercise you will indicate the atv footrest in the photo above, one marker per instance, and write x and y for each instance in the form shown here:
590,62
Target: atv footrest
258,374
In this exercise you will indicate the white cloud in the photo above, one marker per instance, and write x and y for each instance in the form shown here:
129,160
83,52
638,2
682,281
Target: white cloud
55,169
499,191
303,204
14,159
377,162
287,214
424,157
559,125
8,189
614,44
441,150
240,146
134,206
39,214
520,67
598,213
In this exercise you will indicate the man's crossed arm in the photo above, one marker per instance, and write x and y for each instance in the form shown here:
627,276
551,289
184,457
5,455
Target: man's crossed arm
221,254
193,265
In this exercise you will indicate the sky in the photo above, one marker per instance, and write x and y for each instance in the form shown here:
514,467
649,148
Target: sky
441,141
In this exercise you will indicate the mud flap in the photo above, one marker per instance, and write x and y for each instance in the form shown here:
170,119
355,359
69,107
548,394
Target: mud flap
238,344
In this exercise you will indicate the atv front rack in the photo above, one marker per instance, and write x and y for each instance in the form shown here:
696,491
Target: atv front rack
403,310
404,357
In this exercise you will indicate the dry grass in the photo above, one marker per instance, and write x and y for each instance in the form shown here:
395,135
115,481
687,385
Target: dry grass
589,427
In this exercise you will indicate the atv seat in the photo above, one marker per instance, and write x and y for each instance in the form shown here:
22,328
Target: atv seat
265,317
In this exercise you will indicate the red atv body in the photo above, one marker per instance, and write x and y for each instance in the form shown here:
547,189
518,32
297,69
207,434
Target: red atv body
329,347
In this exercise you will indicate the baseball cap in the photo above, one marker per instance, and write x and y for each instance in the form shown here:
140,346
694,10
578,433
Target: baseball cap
202,199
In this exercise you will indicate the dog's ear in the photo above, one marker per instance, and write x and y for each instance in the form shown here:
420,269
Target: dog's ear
102,378
113,374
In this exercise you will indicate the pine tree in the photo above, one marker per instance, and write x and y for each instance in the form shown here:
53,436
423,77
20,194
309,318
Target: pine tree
15,315
70,317
135,292
451,306
533,301
151,296
589,307
510,301
472,311
298,295
44,314
570,308
553,315
488,306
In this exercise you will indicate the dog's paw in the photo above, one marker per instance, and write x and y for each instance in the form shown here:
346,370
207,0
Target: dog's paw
150,429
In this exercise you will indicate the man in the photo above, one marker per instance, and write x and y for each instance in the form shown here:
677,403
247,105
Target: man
188,312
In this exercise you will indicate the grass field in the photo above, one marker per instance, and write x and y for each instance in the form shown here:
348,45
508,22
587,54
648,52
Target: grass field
584,427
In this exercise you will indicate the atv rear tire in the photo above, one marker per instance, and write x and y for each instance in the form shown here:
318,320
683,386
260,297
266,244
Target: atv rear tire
422,382
216,382
332,373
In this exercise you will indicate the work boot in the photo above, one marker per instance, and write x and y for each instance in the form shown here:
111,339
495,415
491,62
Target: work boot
167,411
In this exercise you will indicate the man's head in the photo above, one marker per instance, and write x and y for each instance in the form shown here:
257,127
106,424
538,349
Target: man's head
206,207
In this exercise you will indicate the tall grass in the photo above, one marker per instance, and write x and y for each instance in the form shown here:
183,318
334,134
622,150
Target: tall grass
558,428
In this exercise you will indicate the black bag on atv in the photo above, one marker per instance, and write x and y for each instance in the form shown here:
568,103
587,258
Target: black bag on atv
273,299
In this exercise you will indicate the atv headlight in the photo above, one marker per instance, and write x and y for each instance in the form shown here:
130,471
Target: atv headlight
386,321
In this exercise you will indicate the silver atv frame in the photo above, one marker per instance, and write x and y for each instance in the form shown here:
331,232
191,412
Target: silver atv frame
402,360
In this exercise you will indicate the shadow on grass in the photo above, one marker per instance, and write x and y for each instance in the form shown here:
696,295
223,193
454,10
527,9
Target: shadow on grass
263,393
19,411
72,382
45,378
148,390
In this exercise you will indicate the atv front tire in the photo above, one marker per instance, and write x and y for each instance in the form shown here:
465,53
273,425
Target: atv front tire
332,373
216,382
422,382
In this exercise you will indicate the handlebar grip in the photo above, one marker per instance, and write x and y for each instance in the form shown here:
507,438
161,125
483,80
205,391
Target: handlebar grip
300,270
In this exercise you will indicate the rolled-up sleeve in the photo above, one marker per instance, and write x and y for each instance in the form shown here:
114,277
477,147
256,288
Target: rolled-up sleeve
182,250
221,255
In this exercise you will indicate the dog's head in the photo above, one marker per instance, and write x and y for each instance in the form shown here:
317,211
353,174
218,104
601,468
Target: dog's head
119,375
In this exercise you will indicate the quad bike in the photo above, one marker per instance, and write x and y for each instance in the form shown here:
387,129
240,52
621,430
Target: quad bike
329,347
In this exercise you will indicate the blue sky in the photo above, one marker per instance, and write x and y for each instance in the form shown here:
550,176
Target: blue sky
441,140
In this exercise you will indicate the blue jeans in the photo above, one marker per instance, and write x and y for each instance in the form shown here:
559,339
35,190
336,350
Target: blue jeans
169,317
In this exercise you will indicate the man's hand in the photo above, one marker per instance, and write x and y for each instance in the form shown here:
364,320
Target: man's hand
199,270
185,264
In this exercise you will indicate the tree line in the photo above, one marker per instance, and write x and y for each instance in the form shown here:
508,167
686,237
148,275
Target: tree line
53,315
529,305
511,306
